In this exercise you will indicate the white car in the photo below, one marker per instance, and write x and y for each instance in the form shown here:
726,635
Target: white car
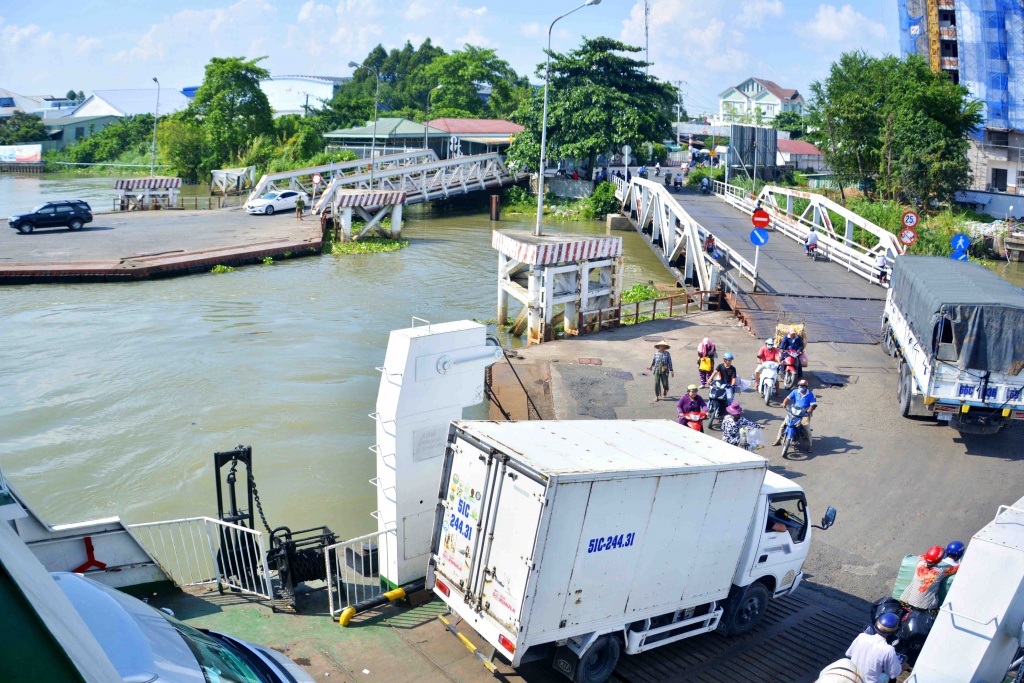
273,202
145,644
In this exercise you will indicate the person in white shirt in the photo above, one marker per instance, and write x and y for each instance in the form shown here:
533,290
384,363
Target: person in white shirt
874,656
880,265
810,241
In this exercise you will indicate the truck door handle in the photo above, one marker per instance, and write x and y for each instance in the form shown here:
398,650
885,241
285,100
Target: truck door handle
763,558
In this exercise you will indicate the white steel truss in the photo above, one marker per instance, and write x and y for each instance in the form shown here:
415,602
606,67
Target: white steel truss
426,181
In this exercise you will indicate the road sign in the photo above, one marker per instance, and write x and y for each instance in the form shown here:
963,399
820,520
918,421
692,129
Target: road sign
759,237
907,237
959,256
760,218
960,242
317,179
910,219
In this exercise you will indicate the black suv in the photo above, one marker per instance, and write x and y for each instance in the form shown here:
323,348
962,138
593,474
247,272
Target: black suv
72,214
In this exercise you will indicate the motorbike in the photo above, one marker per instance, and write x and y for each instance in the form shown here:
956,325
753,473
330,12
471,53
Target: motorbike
769,380
915,625
716,402
794,428
668,181
812,251
678,184
705,189
790,368
694,419
657,172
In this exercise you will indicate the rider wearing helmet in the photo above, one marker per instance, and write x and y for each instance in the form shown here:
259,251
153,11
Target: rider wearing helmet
690,402
803,398
727,373
923,591
811,241
873,652
767,353
954,553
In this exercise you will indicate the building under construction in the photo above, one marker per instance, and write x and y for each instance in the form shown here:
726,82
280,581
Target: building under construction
980,44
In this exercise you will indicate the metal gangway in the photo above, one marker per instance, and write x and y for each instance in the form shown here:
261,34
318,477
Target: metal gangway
301,179
426,180
673,235
839,247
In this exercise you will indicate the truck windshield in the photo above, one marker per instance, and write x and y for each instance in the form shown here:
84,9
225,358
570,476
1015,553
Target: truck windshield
220,663
789,510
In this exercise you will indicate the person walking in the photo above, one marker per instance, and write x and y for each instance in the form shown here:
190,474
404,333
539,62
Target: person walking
300,204
661,366
706,360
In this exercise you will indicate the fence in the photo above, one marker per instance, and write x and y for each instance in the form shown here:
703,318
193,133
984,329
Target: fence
353,569
643,311
201,550
218,202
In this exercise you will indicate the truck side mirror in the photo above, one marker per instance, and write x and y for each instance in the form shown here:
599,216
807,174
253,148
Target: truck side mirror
829,519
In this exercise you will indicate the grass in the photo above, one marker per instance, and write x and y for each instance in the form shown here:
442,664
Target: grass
221,269
639,293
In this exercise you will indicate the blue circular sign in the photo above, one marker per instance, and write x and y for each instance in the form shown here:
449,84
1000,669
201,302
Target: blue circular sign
960,242
759,237
959,256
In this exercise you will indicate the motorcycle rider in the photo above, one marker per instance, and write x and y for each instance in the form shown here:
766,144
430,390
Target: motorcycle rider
727,373
679,180
872,651
733,422
767,353
794,342
691,402
954,554
923,591
657,169
811,241
705,185
803,398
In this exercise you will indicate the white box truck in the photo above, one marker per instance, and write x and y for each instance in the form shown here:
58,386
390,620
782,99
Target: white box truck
581,539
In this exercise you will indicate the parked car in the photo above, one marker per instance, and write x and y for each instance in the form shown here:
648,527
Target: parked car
146,644
272,202
72,214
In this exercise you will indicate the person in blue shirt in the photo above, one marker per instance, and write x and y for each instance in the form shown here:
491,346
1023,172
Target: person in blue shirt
795,343
803,398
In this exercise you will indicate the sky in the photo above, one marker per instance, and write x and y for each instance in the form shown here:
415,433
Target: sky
47,48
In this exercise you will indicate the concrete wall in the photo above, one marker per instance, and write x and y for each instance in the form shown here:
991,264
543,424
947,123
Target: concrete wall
564,187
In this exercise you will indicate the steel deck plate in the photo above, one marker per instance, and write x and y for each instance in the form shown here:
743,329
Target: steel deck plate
848,321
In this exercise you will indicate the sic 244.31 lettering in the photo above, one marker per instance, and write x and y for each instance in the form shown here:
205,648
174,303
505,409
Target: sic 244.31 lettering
610,542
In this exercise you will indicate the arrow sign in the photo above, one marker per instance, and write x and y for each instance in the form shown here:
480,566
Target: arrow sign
960,242
760,218
959,256
759,237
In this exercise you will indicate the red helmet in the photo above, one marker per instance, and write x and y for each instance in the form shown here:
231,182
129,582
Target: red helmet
935,554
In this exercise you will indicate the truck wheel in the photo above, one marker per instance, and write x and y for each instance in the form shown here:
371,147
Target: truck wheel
748,610
597,665
904,391
886,337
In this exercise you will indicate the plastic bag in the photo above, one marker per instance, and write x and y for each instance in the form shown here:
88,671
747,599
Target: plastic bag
704,364
803,360
745,384
755,438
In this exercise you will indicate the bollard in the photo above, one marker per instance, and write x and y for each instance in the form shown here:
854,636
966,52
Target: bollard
495,207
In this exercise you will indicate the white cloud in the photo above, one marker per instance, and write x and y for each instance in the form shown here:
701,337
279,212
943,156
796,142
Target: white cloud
26,52
840,29
753,12
84,45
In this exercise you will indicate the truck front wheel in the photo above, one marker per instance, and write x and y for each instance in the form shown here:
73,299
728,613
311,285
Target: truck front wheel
746,609
597,665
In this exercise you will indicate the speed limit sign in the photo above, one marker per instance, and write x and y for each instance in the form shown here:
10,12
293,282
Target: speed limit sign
910,220
317,180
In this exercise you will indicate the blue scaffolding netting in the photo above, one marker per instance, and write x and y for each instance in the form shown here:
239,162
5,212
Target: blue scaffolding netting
912,27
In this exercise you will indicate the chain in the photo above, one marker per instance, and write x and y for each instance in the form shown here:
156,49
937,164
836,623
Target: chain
255,494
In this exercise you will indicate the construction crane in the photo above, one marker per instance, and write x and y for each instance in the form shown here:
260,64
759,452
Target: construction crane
934,50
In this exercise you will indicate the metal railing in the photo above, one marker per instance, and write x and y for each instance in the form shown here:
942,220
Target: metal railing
643,311
201,550
353,569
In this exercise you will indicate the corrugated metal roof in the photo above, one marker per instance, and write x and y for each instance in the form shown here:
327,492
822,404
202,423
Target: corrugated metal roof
798,147
337,80
970,197
462,127
386,128
138,101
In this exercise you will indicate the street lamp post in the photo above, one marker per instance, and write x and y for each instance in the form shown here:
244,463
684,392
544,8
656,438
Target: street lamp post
436,87
544,122
376,98
156,114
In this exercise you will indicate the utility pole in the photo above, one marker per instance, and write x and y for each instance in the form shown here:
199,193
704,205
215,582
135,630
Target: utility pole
647,36
680,96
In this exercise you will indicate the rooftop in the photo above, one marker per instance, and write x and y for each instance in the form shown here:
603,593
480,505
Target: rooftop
387,128
476,126
798,147
130,102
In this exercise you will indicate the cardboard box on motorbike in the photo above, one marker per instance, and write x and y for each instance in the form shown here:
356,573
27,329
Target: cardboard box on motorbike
783,329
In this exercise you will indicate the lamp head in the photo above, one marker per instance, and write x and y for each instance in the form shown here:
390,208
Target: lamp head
591,2
354,65
155,80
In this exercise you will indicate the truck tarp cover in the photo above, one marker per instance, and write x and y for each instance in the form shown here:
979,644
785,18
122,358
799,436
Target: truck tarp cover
986,311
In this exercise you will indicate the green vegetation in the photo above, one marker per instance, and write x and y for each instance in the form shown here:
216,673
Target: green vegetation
21,128
639,293
600,99
129,141
366,245
892,124
698,174
221,269
268,260
516,200
792,122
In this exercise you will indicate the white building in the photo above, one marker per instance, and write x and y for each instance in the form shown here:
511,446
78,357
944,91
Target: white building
293,94
757,95
132,102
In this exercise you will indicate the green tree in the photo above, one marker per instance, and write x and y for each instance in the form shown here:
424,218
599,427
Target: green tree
461,75
182,144
71,95
132,133
790,121
343,111
600,98
231,108
21,127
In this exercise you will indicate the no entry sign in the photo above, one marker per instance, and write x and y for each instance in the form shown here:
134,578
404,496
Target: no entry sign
317,179
760,218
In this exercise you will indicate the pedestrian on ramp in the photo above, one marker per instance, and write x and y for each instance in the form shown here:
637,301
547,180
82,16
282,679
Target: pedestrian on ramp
661,366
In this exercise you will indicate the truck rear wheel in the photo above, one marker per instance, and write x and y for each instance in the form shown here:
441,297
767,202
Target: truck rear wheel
745,613
597,665
904,391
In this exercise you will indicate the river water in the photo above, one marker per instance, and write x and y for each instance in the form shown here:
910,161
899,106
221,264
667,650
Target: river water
115,396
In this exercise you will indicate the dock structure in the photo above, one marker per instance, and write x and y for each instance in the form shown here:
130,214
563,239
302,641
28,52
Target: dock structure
559,278
1014,245
160,192
372,207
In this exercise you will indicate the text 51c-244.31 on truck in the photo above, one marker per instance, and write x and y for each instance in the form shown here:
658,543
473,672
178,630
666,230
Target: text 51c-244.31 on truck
594,538
957,332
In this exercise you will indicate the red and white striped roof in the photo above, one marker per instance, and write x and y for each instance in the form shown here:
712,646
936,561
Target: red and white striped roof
158,183
363,198
526,247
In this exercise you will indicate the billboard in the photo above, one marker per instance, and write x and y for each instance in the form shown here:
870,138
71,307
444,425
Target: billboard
750,145
21,154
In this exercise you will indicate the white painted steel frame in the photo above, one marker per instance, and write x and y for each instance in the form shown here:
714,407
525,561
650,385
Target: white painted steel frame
186,550
346,585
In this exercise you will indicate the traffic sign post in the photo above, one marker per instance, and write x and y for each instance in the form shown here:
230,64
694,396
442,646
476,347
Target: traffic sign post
317,179
960,242
907,236
758,236
760,219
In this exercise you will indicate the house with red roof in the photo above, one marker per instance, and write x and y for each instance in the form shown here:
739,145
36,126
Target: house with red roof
758,95
800,155
477,136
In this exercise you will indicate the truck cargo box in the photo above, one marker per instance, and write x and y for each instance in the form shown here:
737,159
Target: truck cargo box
546,530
